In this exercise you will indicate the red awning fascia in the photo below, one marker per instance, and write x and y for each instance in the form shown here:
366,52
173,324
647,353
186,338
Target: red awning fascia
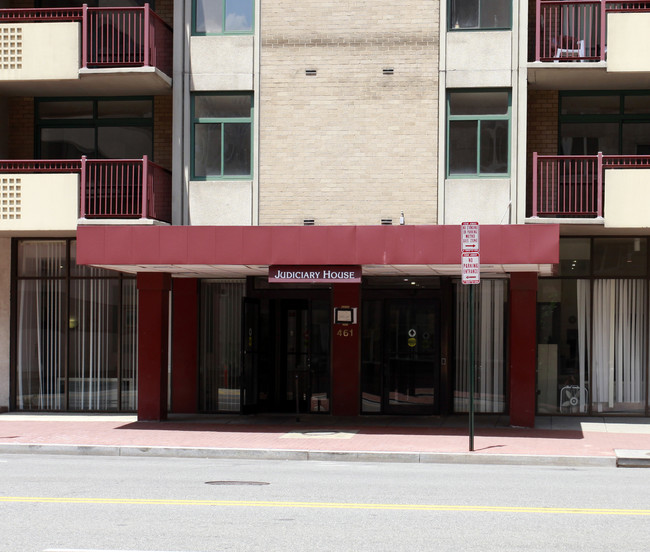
311,245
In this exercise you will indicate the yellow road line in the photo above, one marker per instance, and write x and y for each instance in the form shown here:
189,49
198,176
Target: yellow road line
331,505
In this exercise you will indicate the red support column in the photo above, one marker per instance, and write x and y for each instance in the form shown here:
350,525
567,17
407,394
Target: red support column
185,333
523,345
153,342
345,353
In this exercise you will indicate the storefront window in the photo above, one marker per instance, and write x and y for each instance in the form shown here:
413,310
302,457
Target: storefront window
488,336
592,331
220,346
563,346
76,331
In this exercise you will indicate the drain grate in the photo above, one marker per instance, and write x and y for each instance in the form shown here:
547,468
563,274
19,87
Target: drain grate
236,483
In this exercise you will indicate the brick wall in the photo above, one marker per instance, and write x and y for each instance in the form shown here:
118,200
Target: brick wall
542,131
349,145
165,9
21,128
162,134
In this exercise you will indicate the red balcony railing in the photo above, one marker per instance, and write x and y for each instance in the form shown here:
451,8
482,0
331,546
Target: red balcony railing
576,30
572,186
111,188
111,37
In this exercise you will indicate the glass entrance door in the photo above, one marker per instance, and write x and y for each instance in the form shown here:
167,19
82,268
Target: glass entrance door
296,354
411,356
286,355
400,370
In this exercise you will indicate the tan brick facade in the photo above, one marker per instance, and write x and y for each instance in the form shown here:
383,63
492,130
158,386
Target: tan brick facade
349,145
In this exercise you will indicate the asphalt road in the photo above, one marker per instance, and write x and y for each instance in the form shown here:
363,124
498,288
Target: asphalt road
55,503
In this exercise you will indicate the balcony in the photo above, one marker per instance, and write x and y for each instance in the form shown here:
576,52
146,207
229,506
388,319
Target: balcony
588,44
57,195
572,189
127,50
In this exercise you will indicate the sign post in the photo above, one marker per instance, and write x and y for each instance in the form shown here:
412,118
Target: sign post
471,274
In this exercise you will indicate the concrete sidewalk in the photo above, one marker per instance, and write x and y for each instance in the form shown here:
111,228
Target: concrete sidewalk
559,441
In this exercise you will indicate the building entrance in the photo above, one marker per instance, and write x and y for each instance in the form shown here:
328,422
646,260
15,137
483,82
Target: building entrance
401,356
287,355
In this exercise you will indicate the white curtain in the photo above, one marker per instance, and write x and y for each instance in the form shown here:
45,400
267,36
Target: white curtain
40,345
489,346
584,340
84,322
93,381
619,345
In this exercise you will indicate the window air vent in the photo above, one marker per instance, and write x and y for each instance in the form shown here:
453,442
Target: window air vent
310,72
308,222
387,222
388,71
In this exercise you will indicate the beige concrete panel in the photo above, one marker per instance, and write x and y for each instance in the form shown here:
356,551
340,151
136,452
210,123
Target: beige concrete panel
221,63
628,42
220,203
39,202
479,79
627,198
479,59
482,200
5,319
39,51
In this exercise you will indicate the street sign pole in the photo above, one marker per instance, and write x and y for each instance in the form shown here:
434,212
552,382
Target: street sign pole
472,370
471,275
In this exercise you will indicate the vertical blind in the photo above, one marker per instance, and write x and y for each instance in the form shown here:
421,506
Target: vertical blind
489,346
68,331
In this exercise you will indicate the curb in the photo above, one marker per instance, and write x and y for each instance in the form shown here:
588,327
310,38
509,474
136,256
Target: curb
632,458
315,455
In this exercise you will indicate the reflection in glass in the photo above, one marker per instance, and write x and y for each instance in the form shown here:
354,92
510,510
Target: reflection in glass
218,106
121,109
207,149
484,102
124,142
591,105
575,256
464,14
209,16
371,355
636,139
237,149
463,143
620,257
65,110
239,15
494,147
67,143
588,138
